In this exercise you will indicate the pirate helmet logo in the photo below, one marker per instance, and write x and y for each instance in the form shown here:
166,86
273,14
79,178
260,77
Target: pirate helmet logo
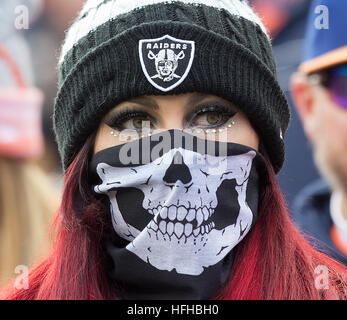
166,61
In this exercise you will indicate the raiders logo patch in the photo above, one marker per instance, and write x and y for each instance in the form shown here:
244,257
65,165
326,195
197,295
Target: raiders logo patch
166,61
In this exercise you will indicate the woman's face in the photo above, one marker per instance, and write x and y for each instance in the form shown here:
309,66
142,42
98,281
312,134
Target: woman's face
199,114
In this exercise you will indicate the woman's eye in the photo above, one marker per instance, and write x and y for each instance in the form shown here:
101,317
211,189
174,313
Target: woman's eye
211,119
135,123
128,119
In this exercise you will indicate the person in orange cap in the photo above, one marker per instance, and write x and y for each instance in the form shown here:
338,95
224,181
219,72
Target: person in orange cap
319,91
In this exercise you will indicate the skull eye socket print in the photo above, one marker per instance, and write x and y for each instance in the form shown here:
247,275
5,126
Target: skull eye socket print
180,213
183,212
190,209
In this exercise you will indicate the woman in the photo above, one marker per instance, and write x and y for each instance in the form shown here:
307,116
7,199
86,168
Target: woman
170,124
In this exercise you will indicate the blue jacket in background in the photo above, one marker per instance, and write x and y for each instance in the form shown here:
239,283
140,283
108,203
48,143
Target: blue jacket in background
311,214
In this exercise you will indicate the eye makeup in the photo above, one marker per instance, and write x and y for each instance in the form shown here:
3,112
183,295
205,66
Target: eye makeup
117,119
214,110
223,111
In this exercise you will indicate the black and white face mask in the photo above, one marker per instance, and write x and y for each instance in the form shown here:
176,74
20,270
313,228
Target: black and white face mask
178,212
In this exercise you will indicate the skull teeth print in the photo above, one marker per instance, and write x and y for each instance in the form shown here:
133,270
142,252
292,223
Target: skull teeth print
178,205
181,221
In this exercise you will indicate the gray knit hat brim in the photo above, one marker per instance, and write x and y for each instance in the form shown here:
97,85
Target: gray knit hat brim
232,59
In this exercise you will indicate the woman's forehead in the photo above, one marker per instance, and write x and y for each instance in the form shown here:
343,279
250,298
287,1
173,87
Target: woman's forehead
185,98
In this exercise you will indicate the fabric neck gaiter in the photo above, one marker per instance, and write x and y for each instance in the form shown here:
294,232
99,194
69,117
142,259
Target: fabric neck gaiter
179,204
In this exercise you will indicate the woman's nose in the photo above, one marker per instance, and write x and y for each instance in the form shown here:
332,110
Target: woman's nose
177,170
172,123
172,112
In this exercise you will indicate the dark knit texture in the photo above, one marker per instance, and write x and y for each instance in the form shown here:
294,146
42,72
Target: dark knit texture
233,60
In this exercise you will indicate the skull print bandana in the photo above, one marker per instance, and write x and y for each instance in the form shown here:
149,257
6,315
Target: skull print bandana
178,205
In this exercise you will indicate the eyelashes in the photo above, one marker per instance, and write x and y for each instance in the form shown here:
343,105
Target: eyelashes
132,117
118,119
219,112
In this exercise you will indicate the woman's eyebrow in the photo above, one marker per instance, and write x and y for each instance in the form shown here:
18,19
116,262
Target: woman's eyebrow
196,98
145,101
149,102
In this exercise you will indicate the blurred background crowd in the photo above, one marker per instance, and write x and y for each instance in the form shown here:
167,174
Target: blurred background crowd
30,172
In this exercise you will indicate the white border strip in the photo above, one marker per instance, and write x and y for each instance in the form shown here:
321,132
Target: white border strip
110,10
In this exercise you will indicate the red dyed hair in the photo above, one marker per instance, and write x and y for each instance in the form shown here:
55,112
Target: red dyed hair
273,261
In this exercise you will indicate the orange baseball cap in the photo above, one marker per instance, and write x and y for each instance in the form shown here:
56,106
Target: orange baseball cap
326,36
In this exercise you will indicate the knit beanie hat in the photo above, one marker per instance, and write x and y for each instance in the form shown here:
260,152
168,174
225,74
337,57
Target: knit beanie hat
113,50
